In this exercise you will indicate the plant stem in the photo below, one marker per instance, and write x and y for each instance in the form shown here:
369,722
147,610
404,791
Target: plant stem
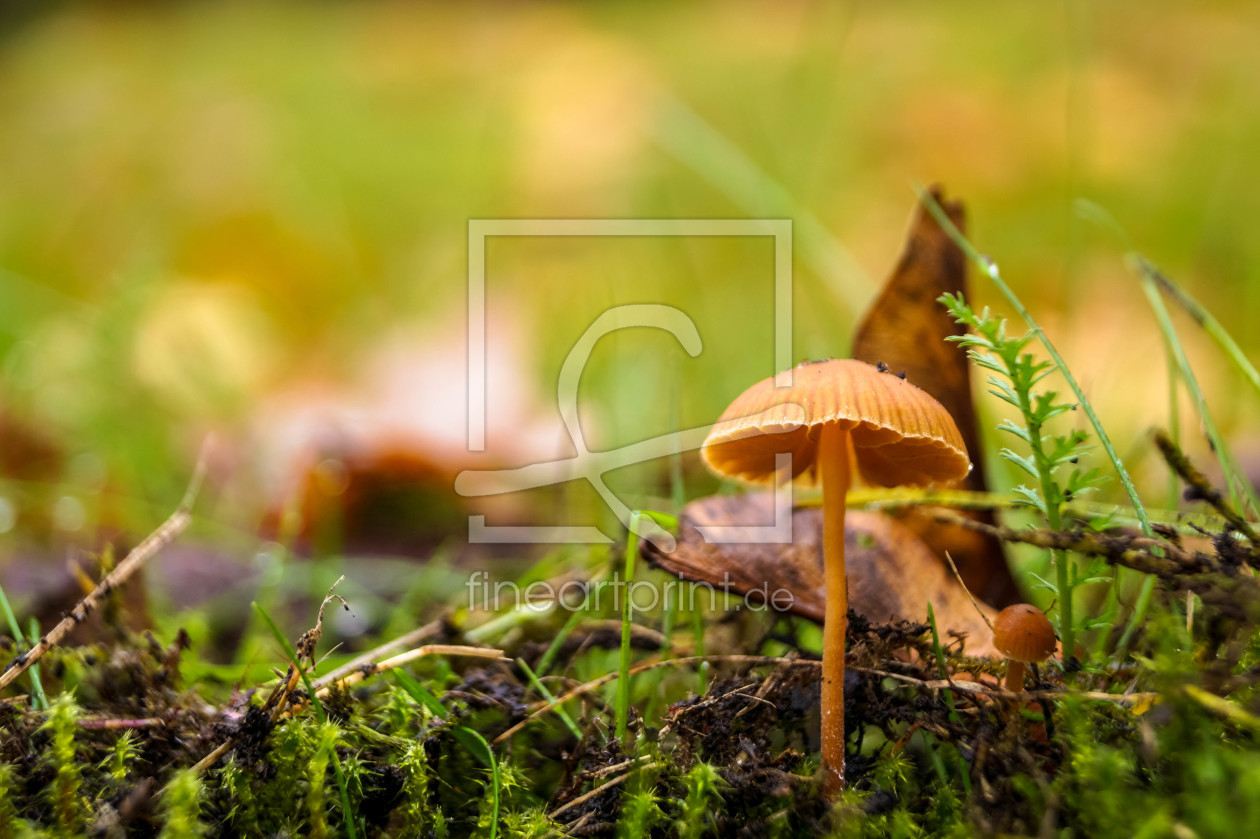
627,619
1143,601
1054,519
697,635
833,462
992,273
1239,487
1205,319
990,269
1152,281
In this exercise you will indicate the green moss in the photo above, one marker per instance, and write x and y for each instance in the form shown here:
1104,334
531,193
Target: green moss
181,807
67,806
10,822
317,804
236,788
703,786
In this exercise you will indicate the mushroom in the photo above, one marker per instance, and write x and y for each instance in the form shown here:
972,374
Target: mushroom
835,415
1024,635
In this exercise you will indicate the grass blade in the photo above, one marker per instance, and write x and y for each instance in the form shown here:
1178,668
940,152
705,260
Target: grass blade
1236,482
546,694
709,153
1210,324
549,657
941,664
479,748
468,738
38,699
421,694
990,270
627,619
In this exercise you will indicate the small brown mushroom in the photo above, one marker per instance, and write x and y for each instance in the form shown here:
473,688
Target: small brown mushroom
1024,635
853,415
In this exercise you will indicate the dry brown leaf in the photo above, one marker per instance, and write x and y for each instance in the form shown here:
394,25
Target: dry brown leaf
892,574
906,329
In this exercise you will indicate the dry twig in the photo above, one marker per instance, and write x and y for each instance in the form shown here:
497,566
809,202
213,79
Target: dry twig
1234,594
132,563
1198,486
958,577
641,668
370,657
604,787
411,655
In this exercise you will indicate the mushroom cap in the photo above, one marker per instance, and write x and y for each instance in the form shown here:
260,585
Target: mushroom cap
1023,633
900,434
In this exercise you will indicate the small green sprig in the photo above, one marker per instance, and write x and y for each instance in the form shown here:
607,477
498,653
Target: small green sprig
704,788
640,813
1015,379
122,756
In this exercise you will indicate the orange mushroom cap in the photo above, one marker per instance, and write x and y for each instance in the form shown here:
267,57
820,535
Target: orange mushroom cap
900,434
1023,633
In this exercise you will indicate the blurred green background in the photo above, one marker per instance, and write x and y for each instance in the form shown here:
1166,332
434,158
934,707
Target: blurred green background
251,218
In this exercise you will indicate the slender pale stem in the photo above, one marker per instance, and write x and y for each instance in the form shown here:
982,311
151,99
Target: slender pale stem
833,466
1014,675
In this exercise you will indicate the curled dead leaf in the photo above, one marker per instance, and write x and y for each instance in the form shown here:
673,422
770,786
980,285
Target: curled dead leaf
892,574
906,330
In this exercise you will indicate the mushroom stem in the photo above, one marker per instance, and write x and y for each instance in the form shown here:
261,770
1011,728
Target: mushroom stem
833,461
1014,676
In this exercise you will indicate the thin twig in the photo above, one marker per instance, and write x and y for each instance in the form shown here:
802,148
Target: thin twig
976,688
1113,546
132,563
402,642
277,702
957,576
652,665
213,758
740,692
571,829
768,684
604,787
1233,594
614,769
411,655
937,684
1198,483
110,724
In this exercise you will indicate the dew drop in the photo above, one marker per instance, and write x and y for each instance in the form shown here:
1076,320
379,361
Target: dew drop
8,515
68,513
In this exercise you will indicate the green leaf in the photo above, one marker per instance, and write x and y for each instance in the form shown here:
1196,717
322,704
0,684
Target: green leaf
421,694
1018,430
480,749
1029,497
1025,463
1043,583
